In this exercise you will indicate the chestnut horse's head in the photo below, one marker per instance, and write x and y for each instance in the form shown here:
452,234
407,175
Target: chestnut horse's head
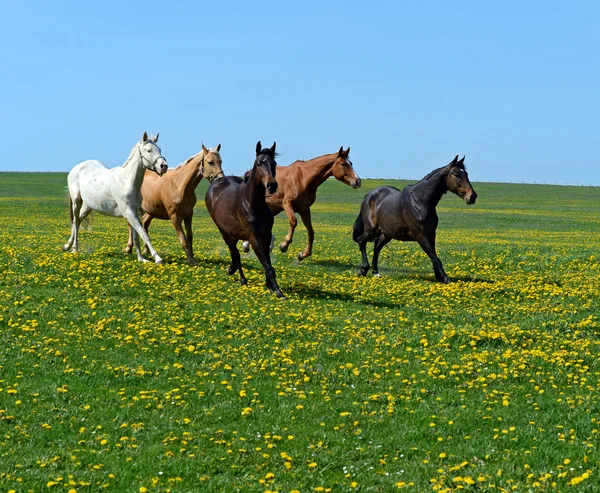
343,170
264,166
457,181
211,163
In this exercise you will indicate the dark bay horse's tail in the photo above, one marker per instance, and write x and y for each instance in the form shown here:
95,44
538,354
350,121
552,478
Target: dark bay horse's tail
359,227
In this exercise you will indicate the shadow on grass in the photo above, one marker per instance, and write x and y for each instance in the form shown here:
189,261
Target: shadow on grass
319,294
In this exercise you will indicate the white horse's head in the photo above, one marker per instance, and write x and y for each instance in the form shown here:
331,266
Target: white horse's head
150,154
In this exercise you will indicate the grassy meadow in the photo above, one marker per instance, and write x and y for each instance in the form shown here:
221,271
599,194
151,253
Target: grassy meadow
129,377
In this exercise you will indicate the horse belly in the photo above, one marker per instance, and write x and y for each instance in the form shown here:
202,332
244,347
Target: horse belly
95,188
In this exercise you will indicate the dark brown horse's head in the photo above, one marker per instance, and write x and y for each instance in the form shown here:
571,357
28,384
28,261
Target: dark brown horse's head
211,163
457,181
343,170
264,166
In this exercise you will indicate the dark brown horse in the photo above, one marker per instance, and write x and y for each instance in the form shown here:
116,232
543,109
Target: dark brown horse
387,213
297,191
240,211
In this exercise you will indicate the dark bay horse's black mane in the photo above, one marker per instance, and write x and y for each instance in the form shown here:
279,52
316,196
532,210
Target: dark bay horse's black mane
458,164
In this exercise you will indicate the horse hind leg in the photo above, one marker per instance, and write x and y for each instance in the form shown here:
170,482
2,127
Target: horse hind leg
75,205
236,262
380,242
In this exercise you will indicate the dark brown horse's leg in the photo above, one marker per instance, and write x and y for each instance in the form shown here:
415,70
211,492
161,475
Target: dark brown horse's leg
261,249
182,239
380,242
146,220
190,236
289,210
236,262
428,246
311,234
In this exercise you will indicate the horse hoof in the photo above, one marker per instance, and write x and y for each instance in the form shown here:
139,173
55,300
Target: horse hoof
281,297
363,272
160,261
127,250
376,274
283,248
231,270
192,262
66,247
243,282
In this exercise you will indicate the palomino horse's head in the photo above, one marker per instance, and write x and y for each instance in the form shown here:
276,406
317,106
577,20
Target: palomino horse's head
152,159
343,170
457,181
211,163
264,166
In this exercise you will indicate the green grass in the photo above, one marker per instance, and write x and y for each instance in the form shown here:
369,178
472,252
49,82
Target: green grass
118,375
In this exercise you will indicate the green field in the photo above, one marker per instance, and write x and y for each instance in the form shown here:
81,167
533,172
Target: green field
126,377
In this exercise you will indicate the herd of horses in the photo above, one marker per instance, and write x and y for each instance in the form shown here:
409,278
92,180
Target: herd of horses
244,208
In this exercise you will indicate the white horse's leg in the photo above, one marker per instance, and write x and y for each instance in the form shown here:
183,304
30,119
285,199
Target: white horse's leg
77,203
138,228
136,242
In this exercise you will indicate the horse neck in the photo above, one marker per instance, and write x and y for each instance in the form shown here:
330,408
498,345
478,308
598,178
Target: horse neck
254,190
134,169
433,186
191,173
318,170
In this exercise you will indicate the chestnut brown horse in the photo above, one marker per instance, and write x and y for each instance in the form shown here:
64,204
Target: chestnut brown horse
297,191
239,209
174,195
387,213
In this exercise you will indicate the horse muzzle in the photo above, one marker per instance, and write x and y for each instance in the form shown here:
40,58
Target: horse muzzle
163,168
470,199
356,183
272,187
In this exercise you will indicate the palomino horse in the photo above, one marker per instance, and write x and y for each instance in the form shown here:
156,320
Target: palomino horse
114,192
173,196
297,191
239,209
387,213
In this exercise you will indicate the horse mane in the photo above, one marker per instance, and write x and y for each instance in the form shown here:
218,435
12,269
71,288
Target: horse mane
458,164
268,152
135,148
181,165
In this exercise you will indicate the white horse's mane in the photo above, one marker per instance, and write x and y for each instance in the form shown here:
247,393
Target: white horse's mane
136,146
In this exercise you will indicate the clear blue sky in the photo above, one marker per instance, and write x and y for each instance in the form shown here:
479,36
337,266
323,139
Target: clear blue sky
513,85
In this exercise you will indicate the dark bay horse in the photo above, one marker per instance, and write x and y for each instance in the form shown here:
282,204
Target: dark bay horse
173,195
387,213
239,209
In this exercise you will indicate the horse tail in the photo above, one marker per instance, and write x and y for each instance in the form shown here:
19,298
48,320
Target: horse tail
359,227
71,209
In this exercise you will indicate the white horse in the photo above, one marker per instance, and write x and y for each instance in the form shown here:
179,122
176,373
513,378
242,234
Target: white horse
114,192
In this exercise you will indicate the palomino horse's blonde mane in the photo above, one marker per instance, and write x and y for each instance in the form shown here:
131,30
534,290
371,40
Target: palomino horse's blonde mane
211,149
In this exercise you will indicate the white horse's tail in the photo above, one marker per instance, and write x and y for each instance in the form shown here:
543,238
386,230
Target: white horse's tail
71,209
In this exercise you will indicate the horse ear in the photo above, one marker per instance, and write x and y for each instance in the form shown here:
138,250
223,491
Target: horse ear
462,160
273,147
145,137
341,151
348,151
218,147
204,149
258,148
155,139
455,160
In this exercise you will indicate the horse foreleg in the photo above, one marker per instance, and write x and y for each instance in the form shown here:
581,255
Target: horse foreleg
136,225
380,242
236,262
261,249
289,210
182,239
190,237
136,242
307,221
428,246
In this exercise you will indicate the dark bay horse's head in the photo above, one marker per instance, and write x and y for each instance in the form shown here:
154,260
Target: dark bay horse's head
264,166
343,170
457,181
211,163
